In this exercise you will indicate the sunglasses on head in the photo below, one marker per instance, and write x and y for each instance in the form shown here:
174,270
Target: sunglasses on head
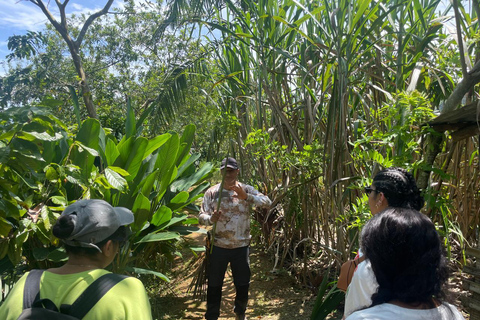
369,190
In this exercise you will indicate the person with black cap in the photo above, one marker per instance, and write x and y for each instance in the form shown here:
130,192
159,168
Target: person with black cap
231,238
92,232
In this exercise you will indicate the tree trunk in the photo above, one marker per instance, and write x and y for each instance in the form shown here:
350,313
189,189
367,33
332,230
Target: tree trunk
74,45
434,146
84,87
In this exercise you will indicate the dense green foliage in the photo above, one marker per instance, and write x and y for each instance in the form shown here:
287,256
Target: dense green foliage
313,98
46,166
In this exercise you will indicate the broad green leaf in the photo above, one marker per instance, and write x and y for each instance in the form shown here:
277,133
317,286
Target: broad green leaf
130,123
51,174
4,154
115,180
165,181
76,107
43,136
181,200
162,236
88,133
136,157
40,254
190,161
175,220
186,230
59,200
5,263
87,139
155,143
180,197
191,221
15,251
58,255
167,154
141,210
5,227
186,143
46,217
111,152
49,102
187,182
119,171
145,271
7,136
124,148
26,148
9,209
162,216
82,147
147,183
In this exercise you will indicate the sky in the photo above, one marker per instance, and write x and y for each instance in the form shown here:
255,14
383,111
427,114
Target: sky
19,16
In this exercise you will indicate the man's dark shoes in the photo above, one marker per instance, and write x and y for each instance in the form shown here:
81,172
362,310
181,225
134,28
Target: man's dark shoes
240,317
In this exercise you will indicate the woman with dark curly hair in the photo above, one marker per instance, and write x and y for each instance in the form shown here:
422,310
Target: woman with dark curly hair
391,188
407,259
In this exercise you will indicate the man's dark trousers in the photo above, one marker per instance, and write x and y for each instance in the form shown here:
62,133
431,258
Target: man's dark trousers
240,265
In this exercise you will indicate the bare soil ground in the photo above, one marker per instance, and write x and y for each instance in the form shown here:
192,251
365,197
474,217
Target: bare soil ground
273,296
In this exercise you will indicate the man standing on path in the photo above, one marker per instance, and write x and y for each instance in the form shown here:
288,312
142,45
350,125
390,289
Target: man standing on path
231,238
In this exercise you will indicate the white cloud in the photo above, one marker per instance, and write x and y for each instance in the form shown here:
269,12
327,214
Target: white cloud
21,15
24,15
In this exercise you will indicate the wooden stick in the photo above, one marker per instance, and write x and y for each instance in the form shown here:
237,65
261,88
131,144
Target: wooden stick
220,189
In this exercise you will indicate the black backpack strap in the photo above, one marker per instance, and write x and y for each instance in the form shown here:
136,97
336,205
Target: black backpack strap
31,290
92,295
45,304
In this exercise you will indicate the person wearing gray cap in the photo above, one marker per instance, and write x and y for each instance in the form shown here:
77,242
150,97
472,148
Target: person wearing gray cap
231,238
92,232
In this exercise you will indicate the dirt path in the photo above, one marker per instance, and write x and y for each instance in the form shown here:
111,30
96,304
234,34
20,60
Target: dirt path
272,296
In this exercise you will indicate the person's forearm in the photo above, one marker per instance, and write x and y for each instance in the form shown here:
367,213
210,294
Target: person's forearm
259,200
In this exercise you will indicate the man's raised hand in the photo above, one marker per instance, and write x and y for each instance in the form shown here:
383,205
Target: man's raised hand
239,192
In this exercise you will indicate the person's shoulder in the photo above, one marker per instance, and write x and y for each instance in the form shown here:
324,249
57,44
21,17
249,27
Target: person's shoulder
450,311
379,312
358,315
212,189
131,283
126,289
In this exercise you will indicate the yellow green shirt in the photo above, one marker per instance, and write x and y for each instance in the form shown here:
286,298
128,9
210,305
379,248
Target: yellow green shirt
127,300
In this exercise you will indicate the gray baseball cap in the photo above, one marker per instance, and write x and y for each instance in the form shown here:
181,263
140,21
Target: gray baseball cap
94,221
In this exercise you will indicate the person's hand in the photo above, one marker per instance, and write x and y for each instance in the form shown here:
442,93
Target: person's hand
215,216
239,192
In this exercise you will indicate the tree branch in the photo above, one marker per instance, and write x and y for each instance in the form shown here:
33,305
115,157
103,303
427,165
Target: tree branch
468,82
50,17
89,21
63,16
